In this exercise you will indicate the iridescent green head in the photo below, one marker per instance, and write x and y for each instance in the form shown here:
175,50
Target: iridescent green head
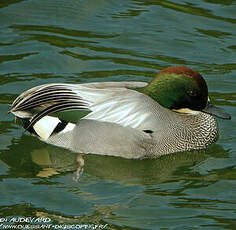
179,87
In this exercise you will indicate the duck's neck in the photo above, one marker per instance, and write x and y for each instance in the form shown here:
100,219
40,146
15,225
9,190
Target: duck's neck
157,94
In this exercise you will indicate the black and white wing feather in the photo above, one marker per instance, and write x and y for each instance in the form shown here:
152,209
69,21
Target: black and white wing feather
105,102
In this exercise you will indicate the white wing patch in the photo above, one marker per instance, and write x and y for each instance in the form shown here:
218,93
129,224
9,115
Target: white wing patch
45,126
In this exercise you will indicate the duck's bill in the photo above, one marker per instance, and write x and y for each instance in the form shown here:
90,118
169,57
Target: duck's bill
216,111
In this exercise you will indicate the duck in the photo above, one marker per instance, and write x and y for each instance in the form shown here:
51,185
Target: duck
172,113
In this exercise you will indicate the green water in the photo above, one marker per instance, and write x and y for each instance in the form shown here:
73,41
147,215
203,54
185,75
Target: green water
110,40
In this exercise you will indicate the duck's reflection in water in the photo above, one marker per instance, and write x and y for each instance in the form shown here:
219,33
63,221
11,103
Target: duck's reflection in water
56,162
28,157
163,169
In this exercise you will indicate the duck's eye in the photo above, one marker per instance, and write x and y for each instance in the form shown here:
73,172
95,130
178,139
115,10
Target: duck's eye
192,93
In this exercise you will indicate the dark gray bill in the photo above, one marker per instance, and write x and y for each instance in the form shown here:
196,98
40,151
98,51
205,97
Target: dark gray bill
218,112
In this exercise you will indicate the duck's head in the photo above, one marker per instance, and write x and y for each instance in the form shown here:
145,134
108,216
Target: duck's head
182,89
